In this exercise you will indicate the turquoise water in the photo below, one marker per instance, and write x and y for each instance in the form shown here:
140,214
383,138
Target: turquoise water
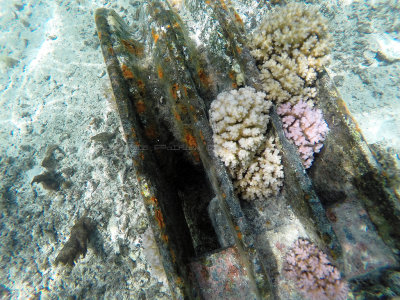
63,153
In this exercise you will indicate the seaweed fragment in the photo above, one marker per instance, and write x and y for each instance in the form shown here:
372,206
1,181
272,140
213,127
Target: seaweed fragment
77,243
50,180
53,155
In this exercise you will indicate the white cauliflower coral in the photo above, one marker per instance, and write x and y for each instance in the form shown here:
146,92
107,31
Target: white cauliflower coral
239,120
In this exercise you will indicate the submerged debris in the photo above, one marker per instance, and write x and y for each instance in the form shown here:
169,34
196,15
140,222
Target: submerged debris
77,243
50,180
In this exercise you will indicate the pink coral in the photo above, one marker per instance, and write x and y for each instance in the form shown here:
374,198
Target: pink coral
306,127
313,273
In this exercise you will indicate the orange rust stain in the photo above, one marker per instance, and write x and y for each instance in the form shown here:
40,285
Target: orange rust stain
190,140
176,25
239,234
126,72
232,75
140,84
223,4
160,72
208,2
137,143
196,156
99,34
173,255
174,90
151,132
358,129
131,47
344,106
179,281
177,116
238,18
185,91
238,49
133,132
111,50
159,218
223,195
202,137
141,156
140,106
154,200
203,77
183,108
165,238
307,197
234,85
192,108
155,36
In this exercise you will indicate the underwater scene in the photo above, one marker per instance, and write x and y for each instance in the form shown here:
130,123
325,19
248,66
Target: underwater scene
200,149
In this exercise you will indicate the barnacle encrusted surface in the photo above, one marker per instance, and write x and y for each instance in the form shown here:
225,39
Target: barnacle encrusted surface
239,120
291,46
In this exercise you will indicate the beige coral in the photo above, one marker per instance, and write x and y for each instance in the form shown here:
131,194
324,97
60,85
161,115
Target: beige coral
291,46
239,120
263,177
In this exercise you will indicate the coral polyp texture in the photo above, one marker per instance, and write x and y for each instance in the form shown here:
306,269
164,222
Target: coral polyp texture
239,120
313,273
305,127
291,46
263,177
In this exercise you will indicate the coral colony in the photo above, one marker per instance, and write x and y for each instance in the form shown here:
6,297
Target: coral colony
305,127
290,46
239,120
313,273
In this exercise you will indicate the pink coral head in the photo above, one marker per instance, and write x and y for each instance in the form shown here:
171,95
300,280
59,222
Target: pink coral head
313,273
305,127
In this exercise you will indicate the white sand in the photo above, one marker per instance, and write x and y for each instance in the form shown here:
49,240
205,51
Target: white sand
59,94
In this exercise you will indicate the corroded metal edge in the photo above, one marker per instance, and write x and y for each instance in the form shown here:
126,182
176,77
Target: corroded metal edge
298,187
143,160
353,167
